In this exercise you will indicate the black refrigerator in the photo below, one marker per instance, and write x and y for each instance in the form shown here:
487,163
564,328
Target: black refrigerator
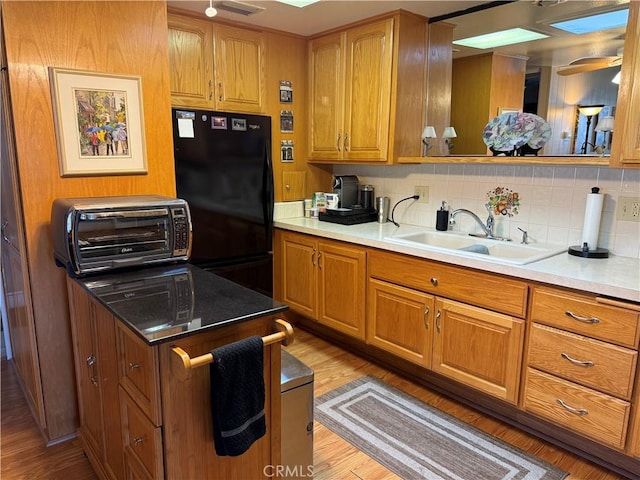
224,172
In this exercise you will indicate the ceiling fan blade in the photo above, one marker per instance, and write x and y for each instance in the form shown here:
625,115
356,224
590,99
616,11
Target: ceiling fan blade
582,68
590,60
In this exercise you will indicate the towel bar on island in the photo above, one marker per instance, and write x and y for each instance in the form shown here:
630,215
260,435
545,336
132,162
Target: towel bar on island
284,335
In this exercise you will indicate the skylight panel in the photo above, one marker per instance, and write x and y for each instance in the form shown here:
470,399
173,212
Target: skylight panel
594,23
500,39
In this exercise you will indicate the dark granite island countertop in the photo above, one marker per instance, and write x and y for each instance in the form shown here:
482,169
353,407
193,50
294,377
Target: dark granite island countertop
161,304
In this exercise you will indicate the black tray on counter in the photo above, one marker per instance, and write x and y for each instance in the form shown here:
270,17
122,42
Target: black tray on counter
349,216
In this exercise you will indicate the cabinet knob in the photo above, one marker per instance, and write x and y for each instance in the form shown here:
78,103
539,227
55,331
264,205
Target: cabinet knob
287,186
137,441
434,281
133,366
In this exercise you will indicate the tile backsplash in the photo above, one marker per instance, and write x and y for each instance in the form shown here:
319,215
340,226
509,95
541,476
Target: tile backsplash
551,199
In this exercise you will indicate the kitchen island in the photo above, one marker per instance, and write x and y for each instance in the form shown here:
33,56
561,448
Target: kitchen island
143,414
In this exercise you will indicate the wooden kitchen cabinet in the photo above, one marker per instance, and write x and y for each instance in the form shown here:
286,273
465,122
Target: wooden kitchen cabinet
323,280
239,71
475,346
191,60
625,149
94,340
582,360
400,321
216,67
363,91
478,347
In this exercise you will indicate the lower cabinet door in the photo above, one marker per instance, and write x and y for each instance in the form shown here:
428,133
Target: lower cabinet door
400,321
142,440
341,288
478,347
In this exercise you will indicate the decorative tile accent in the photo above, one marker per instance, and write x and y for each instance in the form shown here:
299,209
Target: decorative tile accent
503,201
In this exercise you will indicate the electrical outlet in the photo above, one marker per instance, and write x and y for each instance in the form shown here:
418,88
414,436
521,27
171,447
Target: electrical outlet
423,191
628,209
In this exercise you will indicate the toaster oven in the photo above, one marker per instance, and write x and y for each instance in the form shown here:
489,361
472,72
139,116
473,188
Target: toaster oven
96,234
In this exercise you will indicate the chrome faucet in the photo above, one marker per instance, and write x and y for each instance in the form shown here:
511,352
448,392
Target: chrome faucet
486,228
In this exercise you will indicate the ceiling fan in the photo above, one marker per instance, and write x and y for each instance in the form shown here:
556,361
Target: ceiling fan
589,64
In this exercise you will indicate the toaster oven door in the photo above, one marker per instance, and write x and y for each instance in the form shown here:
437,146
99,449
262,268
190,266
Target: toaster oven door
121,234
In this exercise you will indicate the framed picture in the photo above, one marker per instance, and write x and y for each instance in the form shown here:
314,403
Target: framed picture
99,123
502,110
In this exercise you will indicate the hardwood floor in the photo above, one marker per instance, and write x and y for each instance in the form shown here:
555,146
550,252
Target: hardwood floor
24,456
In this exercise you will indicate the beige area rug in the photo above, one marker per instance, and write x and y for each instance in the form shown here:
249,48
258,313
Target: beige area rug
417,441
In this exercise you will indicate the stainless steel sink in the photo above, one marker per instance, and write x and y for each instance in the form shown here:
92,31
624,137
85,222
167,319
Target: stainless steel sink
474,247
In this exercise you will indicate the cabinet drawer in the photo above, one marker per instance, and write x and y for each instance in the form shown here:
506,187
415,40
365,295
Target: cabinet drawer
590,413
602,366
495,292
142,439
582,314
138,372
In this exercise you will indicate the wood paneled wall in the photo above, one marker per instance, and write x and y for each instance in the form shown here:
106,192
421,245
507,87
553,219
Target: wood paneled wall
287,60
439,71
480,86
112,37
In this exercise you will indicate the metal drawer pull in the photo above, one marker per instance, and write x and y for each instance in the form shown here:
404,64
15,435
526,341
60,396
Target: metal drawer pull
434,281
313,257
133,366
137,441
338,143
426,317
91,363
582,319
577,411
582,363
438,315
320,260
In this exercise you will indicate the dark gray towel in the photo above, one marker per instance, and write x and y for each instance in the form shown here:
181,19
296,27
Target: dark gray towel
237,396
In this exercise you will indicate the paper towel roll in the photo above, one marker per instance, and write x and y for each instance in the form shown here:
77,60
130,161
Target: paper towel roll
592,214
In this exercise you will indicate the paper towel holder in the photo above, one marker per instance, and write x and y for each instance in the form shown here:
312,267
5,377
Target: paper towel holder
584,250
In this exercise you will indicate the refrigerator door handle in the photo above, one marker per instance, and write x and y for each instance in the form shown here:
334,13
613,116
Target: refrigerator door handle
268,188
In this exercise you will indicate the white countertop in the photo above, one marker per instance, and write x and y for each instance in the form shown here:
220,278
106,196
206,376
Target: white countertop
617,277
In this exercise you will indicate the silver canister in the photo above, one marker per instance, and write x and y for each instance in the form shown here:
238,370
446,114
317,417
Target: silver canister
382,206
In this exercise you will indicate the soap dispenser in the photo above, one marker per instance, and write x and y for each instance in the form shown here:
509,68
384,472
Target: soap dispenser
442,217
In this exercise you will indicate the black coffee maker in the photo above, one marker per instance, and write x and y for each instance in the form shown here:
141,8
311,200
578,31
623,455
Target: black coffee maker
347,187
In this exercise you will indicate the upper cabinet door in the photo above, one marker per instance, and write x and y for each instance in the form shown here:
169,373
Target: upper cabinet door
191,61
626,140
239,69
368,91
326,84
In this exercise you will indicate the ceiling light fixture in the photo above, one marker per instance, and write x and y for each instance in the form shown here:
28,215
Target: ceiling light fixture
501,38
298,3
210,11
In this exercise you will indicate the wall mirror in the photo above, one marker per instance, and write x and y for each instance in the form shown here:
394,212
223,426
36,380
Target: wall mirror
566,78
